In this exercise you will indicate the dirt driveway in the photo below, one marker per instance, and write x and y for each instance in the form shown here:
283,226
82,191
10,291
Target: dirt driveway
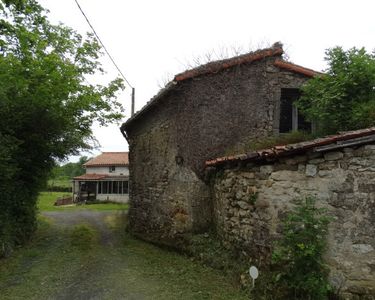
86,254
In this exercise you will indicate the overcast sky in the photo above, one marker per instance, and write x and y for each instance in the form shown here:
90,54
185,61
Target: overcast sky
152,40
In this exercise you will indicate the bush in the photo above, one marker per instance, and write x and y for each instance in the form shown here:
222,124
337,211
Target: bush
344,97
46,108
298,254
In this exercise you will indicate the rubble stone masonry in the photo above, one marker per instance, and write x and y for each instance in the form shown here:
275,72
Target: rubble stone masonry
196,120
251,200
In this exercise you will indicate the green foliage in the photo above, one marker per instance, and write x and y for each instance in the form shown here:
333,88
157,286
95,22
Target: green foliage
344,97
69,170
46,108
269,142
60,177
298,255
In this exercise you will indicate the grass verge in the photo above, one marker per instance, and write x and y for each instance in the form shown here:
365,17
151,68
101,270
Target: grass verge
72,263
47,199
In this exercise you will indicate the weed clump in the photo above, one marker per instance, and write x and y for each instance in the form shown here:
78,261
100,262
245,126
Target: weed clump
83,237
269,142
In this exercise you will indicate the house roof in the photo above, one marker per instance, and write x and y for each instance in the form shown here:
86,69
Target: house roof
109,159
216,66
90,177
282,64
341,140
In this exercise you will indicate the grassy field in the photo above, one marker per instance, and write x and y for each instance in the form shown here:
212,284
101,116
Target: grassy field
75,262
47,199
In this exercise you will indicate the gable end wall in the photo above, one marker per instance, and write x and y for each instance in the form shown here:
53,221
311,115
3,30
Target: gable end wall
197,120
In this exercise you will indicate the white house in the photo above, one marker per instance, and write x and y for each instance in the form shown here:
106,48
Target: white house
106,179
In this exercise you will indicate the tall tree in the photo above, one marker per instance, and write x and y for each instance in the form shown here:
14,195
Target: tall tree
46,107
344,97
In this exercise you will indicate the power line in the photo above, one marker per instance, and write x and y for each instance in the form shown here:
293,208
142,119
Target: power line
100,41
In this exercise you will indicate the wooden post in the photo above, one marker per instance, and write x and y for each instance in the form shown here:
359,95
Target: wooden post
133,101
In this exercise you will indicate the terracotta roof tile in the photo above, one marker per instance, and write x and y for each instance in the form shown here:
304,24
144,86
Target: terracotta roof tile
109,159
213,67
216,66
355,137
295,68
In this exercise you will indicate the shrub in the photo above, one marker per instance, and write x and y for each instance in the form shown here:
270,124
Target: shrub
46,108
298,254
344,97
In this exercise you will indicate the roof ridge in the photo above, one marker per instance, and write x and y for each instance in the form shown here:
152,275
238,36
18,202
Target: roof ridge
275,49
217,65
109,159
114,152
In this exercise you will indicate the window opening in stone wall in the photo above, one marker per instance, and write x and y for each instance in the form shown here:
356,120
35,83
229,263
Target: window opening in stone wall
112,169
290,118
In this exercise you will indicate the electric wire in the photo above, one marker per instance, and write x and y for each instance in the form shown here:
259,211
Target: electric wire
101,43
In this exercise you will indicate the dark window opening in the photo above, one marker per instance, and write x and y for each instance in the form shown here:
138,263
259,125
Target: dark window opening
112,169
115,187
110,187
105,187
125,187
290,118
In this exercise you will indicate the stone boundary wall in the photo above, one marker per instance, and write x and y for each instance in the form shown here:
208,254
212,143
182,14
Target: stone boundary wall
250,202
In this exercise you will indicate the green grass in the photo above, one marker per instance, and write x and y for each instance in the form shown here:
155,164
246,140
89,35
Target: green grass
47,199
36,270
83,237
72,263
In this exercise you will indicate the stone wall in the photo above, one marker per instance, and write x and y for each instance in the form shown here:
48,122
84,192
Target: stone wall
196,120
250,202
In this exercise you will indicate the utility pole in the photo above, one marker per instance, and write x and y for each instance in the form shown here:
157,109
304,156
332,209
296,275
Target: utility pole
133,100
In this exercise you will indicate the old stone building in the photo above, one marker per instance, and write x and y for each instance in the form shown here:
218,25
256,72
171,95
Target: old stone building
253,192
196,117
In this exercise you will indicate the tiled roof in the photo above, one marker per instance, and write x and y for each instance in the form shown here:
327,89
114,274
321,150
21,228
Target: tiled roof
90,177
295,68
109,159
216,66
327,143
